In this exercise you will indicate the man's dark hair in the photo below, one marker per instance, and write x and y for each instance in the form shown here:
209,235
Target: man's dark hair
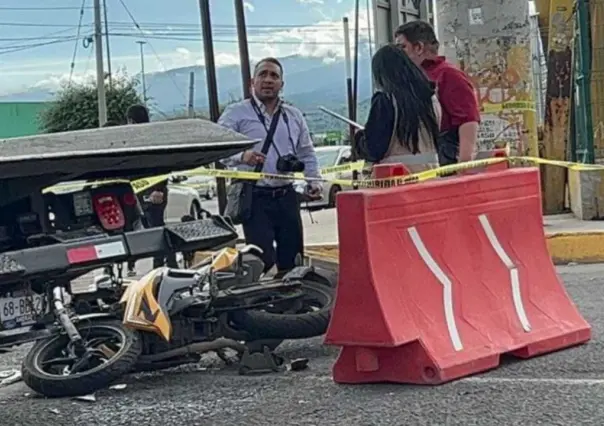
418,32
272,61
138,114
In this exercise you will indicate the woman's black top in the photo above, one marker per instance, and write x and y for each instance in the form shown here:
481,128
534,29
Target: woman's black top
372,143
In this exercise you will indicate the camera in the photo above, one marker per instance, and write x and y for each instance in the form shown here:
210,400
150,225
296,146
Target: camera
290,164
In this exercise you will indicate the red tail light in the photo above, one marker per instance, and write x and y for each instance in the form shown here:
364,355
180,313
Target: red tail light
109,212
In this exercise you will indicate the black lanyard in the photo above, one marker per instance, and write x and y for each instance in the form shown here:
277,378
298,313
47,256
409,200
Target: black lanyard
262,119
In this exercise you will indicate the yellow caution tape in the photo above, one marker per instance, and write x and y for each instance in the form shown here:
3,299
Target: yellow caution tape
349,167
402,180
490,108
140,185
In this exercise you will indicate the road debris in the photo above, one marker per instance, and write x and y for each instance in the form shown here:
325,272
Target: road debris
9,377
86,398
121,386
298,364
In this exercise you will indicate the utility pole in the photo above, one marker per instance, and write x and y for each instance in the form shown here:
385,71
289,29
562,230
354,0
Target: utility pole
491,42
355,82
142,44
107,43
190,106
244,55
100,72
208,52
558,101
349,92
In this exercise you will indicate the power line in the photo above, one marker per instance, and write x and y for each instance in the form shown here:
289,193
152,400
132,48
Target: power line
192,38
75,48
151,46
43,8
307,26
31,24
33,45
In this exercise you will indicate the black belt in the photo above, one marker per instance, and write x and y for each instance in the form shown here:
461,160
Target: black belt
272,192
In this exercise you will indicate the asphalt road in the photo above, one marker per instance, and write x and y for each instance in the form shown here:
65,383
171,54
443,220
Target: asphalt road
566,388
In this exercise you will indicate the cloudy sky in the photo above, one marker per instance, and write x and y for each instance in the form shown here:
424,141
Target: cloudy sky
38,38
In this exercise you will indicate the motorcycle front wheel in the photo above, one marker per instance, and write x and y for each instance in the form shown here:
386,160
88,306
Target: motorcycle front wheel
309,319
53,369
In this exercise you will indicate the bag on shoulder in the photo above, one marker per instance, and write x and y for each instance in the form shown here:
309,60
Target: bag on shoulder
239,193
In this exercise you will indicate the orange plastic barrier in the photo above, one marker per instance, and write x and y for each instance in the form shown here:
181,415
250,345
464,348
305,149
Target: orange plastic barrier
382,171
438,280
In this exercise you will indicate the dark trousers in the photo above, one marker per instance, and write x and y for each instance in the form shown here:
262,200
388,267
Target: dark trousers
155,217
276,218
448,147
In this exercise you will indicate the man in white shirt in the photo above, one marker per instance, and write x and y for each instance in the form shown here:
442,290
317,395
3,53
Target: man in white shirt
275,211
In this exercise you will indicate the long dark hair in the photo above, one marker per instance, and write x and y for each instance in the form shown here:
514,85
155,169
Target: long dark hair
396,75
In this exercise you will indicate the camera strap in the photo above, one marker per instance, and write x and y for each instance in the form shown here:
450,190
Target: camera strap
276,117
268,141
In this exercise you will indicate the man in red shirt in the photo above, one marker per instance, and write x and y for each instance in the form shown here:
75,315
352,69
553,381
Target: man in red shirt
455,91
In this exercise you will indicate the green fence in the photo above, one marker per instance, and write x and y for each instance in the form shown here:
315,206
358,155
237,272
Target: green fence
20,118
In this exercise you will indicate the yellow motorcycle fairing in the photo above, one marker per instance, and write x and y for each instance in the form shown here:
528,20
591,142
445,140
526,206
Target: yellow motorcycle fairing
226,259
143,311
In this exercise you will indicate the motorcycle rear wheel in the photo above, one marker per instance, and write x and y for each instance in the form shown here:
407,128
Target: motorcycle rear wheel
41,367
262,325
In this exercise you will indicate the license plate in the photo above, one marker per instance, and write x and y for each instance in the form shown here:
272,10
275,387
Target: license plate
18,312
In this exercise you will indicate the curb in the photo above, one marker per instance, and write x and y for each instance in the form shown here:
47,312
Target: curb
576,247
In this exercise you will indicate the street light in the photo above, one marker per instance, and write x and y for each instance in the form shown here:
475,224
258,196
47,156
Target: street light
142,43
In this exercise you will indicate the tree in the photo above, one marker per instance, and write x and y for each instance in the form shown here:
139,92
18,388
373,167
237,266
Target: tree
76,105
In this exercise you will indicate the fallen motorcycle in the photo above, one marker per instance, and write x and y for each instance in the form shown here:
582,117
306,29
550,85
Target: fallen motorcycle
170,317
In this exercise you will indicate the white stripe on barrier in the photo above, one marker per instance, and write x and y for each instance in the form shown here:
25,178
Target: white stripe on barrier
446,283
514,277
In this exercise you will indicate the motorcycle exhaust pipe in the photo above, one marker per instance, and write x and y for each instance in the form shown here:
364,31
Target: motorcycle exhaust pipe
197,348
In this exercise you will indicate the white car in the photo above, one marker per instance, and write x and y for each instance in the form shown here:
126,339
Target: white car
329,156
182,200
204,185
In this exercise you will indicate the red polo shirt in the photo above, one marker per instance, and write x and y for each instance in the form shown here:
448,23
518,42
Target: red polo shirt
455,92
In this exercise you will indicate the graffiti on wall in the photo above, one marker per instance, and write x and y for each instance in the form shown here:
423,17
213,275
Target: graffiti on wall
503,80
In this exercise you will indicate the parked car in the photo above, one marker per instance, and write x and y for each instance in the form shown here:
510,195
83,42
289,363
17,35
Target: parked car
182,200
204,185
329,156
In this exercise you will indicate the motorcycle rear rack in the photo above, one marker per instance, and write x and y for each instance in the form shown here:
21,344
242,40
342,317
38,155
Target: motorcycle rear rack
181,234
73,258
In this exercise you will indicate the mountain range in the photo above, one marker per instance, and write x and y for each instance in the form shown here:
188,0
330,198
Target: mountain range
309,83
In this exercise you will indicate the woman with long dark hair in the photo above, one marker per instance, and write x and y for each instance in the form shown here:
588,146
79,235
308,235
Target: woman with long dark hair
404,119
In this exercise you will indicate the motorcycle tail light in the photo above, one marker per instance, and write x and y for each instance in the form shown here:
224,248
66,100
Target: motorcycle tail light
109,212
